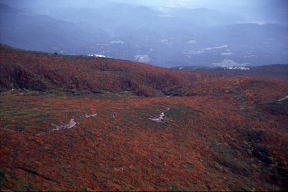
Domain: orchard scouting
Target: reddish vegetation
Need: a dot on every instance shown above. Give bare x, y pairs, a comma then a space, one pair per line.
229, 133
41, 71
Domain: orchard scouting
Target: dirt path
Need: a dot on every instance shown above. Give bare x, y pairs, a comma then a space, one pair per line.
282, 99
72, 123
90, 115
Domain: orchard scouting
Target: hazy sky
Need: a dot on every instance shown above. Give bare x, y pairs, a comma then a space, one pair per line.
258, 11
273, 10
262, 6
209, 3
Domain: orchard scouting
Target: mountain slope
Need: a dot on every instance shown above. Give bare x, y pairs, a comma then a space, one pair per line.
221, 142
40, 71
213, 132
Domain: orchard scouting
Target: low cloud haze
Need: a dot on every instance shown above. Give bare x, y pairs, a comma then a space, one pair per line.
265, 10
165, 33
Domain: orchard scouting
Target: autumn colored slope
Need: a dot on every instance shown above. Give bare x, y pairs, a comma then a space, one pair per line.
217, 134
42, 71
230, 141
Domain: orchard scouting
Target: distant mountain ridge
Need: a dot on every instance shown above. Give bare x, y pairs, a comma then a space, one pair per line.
276, 70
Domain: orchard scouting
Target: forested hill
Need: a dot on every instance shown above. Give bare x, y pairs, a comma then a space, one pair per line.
22, 69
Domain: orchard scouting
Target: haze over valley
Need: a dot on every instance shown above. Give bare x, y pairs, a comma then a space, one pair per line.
163, 33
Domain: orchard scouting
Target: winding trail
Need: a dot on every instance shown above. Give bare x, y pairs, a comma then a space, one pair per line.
72, 123
282, 99
158, 119
90, 115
